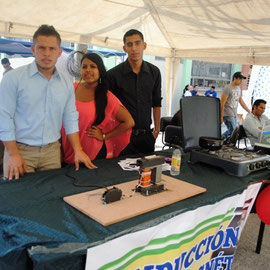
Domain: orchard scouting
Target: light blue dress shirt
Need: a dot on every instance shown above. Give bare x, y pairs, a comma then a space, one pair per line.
251, 125
33, 108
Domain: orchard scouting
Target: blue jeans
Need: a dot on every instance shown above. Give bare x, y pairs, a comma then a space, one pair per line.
231, 124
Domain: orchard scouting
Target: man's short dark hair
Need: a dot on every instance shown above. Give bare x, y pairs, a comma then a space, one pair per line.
46, 30
257, 102
213, 87
5, 61
132, 32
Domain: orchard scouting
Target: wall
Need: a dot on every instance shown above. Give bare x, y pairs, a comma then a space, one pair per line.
183, 76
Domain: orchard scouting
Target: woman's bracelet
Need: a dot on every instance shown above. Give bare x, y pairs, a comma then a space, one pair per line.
103, 136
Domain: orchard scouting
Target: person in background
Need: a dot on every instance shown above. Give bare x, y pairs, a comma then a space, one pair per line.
34, 102
230, 97
255, 120
211, 92
104, 124
6, 65
137, 84
187, 91
195, 90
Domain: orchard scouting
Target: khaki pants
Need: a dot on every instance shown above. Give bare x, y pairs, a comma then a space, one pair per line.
37, 158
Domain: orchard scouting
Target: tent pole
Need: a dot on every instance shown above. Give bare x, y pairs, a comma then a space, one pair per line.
170, 81
168, 86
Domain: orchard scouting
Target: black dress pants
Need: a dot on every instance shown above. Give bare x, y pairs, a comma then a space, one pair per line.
140, 144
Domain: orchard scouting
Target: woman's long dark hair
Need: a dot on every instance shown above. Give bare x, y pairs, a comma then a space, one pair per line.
102, 87
185, 89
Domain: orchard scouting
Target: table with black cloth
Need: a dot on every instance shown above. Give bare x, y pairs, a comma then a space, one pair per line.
40, 231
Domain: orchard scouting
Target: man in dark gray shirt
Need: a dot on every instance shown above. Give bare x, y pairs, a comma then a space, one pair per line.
231, 96
137, 84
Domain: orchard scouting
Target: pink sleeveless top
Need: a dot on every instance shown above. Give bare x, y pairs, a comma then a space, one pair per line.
91, 146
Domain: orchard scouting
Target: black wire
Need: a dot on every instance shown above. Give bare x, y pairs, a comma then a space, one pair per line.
75, 181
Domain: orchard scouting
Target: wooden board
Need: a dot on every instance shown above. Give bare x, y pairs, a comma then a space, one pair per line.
132, 204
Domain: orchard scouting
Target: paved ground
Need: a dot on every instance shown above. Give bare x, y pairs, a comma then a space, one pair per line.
246, 258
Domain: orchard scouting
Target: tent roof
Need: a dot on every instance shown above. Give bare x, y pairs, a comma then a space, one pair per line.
233, 31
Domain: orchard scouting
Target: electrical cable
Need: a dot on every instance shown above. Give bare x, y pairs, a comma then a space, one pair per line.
75, 181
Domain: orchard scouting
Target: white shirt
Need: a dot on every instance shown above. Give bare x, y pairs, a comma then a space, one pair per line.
187, 94
251, 125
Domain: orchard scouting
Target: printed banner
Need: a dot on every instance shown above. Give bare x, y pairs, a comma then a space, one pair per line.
205, 238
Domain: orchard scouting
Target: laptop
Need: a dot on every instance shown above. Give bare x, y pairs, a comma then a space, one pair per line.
264, 139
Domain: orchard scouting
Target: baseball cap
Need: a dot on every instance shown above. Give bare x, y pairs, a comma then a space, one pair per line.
239, 75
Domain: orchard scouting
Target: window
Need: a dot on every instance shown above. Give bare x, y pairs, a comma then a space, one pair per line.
207, 73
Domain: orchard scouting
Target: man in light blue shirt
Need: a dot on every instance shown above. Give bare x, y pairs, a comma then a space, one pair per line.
255, 121
34, 102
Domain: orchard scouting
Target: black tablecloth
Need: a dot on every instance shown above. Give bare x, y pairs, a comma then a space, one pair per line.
40, 231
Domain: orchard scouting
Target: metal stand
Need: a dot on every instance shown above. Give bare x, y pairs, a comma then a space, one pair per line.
154, 189
260, 238
153, 185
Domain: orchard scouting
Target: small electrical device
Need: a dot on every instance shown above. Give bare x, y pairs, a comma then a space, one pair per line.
112, 195
150, 175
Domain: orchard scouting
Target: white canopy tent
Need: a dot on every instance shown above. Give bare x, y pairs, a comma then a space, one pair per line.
228, 31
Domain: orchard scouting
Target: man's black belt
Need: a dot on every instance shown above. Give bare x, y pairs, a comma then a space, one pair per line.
140, 132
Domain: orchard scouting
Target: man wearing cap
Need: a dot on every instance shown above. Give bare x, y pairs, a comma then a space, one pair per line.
231, 95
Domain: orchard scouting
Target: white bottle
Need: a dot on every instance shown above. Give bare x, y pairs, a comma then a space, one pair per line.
176, 162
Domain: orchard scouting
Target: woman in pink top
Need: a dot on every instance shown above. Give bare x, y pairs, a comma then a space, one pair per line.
104, 124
